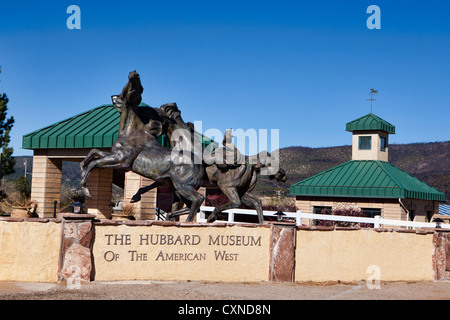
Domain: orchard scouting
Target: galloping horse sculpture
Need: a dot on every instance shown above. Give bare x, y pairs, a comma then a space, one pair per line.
137, 150
235, 179
183, 166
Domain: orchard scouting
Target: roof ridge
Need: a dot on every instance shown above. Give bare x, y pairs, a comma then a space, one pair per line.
412, 176
65, 120
322, 173
389, 173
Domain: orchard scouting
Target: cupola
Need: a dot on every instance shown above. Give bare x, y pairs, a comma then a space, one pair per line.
370, 138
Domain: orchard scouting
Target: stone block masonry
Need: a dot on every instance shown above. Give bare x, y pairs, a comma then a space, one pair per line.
441, 257
46, 183
76, 250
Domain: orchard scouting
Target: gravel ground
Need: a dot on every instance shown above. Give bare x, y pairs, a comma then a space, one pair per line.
196, 290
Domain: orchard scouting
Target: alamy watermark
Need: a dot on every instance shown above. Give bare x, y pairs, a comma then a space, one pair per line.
374, 279
234, 147
74, 20
74, 279
374, 20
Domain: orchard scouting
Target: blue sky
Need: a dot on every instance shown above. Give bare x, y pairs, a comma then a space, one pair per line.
303, 67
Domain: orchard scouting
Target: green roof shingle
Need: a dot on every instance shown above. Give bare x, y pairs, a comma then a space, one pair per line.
95, 128
370, 122
366, 178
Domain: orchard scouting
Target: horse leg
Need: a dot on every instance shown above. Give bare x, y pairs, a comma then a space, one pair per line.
234, 202
191, 195
94, 153
110, 161
255, 203
177, 205
137, 196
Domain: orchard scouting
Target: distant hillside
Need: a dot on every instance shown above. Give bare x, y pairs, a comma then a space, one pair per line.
429, 162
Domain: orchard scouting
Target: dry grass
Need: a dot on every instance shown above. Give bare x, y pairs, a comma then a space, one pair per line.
128, 210
13, 198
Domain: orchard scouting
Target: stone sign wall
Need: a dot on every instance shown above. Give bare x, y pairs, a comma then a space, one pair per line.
177, 251
77, 248
30, 249
353, 254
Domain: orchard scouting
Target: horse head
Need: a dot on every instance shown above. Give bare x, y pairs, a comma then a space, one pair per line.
131, 94
269, 165
134, 89
172, 112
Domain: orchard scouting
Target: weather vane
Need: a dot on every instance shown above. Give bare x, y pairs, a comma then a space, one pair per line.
372, 92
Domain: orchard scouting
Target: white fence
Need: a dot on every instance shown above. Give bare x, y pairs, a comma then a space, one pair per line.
201, 217
299, 215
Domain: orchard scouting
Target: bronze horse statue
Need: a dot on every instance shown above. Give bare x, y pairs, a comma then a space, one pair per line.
236, 179
137, 149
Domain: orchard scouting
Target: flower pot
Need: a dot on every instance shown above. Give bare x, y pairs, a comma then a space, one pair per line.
19, 212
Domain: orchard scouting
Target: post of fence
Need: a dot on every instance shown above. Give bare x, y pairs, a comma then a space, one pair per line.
201, 215
298, 219
377, 221
231, 215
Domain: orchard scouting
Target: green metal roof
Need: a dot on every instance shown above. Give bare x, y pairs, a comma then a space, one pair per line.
366, 179
370, 122
96, 128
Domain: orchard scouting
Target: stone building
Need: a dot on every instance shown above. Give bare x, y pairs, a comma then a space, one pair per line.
71, 140
369, 181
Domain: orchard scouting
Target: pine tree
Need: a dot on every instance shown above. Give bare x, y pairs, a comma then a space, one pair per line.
6, 124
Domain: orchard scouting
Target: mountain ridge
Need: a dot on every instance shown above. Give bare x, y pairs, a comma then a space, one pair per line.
427, 161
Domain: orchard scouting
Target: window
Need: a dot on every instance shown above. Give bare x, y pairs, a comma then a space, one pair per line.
365, 143
412, 215
429, 216
320, 209
371, 212
383, 144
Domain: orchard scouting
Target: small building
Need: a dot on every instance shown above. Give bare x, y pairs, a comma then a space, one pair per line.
369, 181
71, 140
444, 209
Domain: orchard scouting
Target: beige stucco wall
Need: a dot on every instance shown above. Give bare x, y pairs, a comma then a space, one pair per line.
29, 251
421, 207
346, 255
374, 153
195, 256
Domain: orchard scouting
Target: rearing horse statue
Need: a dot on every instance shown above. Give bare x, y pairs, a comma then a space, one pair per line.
137, 150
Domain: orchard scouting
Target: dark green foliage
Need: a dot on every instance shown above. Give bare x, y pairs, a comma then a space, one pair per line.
23, 187
6, 124
348, 212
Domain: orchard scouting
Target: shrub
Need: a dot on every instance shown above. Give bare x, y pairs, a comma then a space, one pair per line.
215, 200
283, 207
343, 211
23, 188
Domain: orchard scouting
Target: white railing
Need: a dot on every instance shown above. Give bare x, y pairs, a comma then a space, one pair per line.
201, 217
299, 215
377, 221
